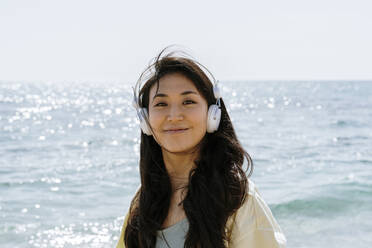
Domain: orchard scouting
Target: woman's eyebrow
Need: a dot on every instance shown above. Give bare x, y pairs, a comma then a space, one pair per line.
182, 94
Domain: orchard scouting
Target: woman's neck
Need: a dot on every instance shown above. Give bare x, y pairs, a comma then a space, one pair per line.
178, 167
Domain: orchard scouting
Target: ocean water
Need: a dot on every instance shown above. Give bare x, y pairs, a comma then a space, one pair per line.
69, 159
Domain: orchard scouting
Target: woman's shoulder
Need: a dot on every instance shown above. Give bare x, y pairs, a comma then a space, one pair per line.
254, 221
245, 214
254, 210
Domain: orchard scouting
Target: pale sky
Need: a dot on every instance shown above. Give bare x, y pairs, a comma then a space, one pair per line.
112, 40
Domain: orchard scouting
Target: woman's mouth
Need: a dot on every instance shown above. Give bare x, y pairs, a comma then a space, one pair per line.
176, 131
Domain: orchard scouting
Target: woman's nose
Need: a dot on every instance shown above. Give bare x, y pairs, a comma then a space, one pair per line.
175, 114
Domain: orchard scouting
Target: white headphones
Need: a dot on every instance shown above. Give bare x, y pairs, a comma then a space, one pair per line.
214, 111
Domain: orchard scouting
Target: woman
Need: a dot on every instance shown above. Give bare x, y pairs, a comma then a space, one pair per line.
194, 191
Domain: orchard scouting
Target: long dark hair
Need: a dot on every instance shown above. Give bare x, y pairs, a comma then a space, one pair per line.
217, 185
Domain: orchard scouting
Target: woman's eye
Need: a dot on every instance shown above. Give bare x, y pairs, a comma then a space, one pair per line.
160, 104
189, 102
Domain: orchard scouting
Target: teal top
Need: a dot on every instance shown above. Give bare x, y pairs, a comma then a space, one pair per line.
173, 236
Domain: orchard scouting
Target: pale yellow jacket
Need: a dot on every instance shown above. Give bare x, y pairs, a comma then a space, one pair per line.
253, 225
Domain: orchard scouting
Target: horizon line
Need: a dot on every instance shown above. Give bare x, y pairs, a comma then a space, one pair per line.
222, 80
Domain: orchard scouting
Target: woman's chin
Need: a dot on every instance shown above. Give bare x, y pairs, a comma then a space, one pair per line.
178, 149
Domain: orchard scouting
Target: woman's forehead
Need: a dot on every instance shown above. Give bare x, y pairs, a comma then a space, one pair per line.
172, 84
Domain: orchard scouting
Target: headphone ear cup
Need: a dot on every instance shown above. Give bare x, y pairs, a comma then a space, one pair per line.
145, 116
214, 117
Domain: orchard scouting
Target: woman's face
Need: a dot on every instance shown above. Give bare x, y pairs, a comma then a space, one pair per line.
177, 113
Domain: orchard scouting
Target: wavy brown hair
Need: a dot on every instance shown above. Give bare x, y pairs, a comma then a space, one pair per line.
217, 185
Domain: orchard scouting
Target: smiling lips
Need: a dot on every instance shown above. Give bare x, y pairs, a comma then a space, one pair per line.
176, 130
